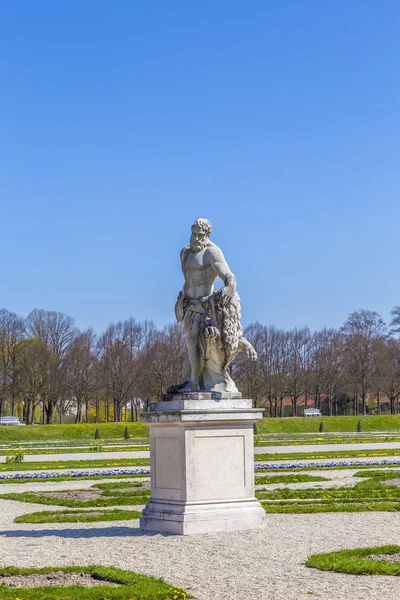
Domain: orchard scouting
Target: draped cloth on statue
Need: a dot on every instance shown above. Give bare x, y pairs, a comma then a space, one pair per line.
197, 315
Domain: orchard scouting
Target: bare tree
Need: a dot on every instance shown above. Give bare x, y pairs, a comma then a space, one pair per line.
249, 373
33, 375
330, 365
12, 331
388, 380
57, 331
395, 322
298, 338
116, 367
362, 332
80, 375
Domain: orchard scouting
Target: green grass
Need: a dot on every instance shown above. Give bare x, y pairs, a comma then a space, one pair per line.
354, 561
74, 450
373, 494
68, 516
331, 424
319, 441
117, 485
297, 508
321, 468
114, 500
86, 431
316, 455
379, 474
132, 586
76, 464
82, 431
291, 478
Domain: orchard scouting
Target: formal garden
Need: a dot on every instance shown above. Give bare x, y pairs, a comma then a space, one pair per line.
89, 504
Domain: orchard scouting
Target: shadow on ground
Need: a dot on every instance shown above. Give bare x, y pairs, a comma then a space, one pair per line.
83, 533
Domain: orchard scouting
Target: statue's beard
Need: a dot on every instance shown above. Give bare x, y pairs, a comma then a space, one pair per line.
199, 246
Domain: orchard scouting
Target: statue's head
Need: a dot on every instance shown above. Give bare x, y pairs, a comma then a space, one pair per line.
201, 231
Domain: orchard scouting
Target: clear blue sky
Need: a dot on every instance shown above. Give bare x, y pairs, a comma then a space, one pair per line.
122, 122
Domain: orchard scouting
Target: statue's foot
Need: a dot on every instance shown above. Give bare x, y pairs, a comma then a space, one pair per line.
191, 387
175, 389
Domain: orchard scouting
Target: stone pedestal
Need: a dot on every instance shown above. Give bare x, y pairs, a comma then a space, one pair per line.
202, 464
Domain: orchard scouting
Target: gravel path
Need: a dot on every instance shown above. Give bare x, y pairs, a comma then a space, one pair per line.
266, 564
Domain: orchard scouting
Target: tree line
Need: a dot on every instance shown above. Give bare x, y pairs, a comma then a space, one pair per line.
51, 371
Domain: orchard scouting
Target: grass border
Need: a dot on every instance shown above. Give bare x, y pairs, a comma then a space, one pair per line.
133, 586
76, 516
354, 562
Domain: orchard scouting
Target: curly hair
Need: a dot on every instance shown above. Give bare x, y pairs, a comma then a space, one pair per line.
204, 225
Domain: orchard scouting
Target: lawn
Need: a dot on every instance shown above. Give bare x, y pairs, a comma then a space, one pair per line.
331, 424
302, 439
76, 516
99, 495
131, 586
316, 455
81, 431
75, 464
115, 431
376, 493
357, 561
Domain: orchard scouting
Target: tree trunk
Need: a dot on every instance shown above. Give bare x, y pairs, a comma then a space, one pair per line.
355, 404
27, 407
378, 399
117, 411
49, 413
78, 416
364, 402
294, 406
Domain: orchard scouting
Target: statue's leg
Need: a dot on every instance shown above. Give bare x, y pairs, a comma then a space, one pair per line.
196, 358
186, 371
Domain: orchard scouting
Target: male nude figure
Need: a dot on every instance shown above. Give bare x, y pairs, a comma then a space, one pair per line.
201, 311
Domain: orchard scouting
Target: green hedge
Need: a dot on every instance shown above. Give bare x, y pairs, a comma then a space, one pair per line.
84, 431
330, 424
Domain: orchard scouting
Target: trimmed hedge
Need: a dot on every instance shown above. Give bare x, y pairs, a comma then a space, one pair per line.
81, 431
330, 424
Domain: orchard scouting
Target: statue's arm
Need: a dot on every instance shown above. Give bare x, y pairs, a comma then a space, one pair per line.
179, 303
221, 268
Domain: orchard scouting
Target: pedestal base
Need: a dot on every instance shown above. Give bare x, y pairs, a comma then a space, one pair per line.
196, 517
202, 465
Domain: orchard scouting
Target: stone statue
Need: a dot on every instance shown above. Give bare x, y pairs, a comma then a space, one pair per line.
210, 319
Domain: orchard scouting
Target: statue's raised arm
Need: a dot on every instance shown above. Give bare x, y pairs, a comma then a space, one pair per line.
210, 319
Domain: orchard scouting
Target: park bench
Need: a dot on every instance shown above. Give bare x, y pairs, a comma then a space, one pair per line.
10, 421
312, 412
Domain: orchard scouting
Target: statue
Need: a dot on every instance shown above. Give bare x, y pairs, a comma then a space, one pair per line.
210, 319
